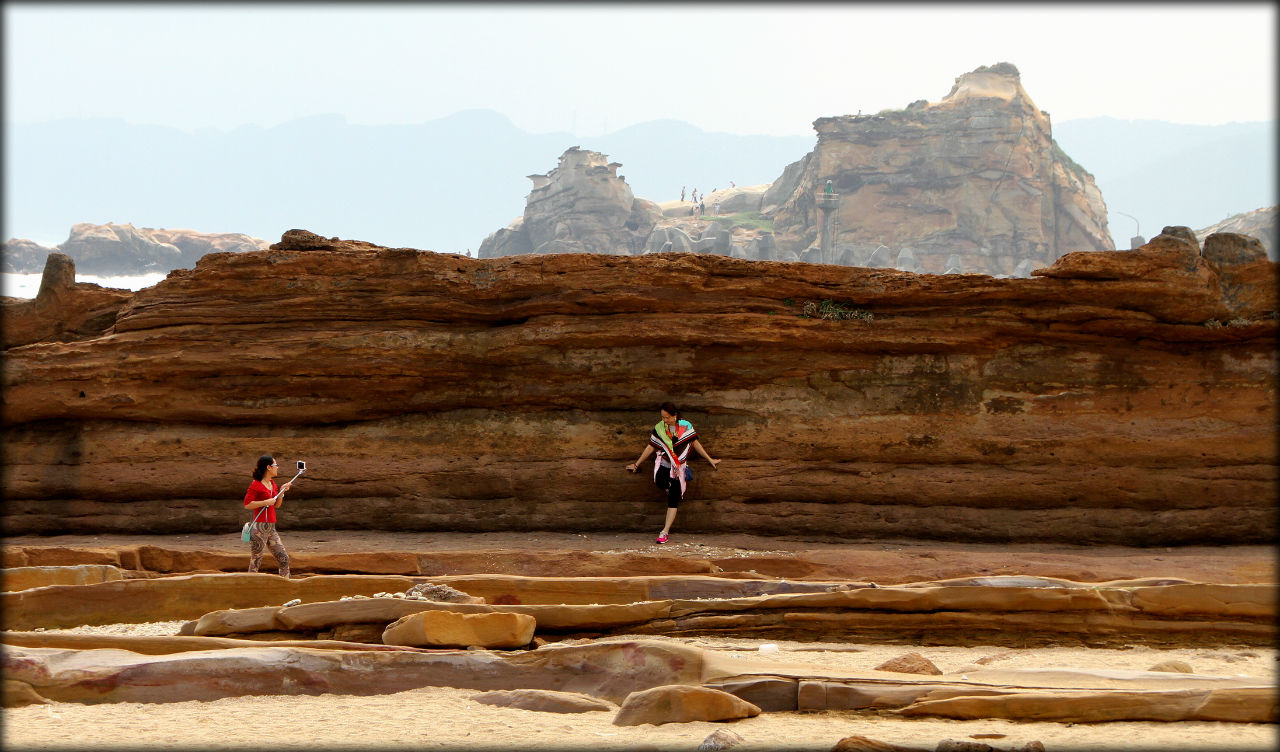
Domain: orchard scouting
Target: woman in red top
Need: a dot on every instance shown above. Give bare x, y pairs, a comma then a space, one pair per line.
264, 497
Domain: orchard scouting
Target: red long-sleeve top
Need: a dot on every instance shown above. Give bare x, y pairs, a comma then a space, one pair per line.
259, 491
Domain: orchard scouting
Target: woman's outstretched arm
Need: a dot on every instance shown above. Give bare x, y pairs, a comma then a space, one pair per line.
648, 450
697, 446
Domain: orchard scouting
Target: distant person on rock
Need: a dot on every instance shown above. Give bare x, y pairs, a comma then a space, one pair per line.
672, 439
264, 497
682, 193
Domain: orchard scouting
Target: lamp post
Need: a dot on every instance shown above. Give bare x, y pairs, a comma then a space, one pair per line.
1137, 241
827, 201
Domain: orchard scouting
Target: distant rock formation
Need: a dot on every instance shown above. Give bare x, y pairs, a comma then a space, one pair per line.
24, 256
1259, 223
976, 177
124, 249
581, 206
974, 183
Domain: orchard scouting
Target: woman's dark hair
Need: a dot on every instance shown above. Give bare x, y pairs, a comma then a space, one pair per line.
264, 462
670, 409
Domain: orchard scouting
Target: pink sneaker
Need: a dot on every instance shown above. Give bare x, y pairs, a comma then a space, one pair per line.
662, 538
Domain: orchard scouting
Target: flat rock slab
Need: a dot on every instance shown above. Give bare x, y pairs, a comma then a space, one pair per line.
21, 578
610, 671
544, 700
432, 629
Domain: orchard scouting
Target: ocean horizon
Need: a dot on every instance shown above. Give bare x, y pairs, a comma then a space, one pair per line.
27, 285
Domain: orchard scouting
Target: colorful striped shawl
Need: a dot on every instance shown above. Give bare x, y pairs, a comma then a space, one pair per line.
674, 449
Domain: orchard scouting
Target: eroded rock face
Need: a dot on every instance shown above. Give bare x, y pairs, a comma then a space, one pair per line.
581, 206
63, 310
976, 176
1121, 397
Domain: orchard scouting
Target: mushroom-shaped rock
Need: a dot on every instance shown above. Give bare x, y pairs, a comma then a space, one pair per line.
681, 704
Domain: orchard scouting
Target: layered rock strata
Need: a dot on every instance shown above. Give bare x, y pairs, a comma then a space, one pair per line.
976, 176
1122, 397
617, 671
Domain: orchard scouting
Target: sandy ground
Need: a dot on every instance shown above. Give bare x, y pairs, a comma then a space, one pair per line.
447, 718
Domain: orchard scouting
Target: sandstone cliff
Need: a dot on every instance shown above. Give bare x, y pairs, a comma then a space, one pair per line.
125, 249
974, 183
1125, 397
581, 206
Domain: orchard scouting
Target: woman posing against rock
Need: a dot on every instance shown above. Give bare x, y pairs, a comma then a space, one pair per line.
672, 439
264, 497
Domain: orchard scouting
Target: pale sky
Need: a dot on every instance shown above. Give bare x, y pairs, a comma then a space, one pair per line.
589, 69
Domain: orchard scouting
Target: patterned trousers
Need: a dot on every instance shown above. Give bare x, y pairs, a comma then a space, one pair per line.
264, 536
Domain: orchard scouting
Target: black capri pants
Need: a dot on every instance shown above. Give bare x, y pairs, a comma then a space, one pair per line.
671, 485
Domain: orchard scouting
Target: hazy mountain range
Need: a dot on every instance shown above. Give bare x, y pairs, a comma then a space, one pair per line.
446, 184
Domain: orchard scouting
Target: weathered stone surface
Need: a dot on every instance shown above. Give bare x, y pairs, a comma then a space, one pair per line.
1179, 667
432, 629
164, 645
543, 700
681, 704
910, 663
977, 175
1087, 382
720, 739
19, 694
859, 743
1259, 224
183, 597
1238, 705
610, 671
21, 578
63, 310
581, 206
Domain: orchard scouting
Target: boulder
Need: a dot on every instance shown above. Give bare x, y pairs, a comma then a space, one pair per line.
544, 700
681, 704
1259, 224
1178, 667
909, 663
445, 629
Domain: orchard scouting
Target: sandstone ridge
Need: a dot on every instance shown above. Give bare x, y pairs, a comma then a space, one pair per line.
1119, 397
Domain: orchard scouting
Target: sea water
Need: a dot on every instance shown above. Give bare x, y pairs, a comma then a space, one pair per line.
27, 285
